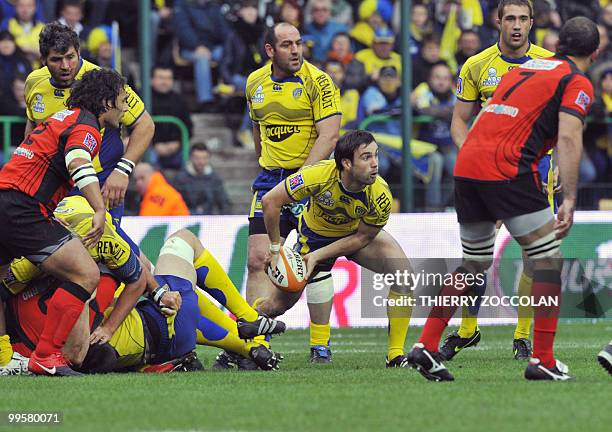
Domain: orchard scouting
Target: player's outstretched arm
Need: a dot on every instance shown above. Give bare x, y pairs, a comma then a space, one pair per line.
462, 114
569, 143
141, 134
328, 131
345, 246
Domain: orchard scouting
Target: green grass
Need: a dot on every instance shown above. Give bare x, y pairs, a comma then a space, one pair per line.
355, 393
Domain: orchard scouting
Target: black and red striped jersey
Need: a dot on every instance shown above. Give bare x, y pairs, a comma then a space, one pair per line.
520, 123
38, 166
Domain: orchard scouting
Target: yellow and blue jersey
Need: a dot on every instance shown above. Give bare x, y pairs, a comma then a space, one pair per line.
287, 111
44, 97
332, 211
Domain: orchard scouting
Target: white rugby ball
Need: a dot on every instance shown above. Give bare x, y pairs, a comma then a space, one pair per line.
290, 272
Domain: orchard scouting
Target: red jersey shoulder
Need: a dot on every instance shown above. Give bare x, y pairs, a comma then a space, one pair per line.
578, 96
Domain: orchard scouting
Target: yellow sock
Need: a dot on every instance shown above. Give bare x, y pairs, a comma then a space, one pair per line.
525, 313
469, 323
319, 334
213, 279
230, 342
212, 312
399, 319
6, 350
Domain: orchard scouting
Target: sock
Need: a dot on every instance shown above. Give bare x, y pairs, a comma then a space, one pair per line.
319, 334
212, 278
262, 340
399, 319
440, 316
469, 314
6, 350
546, 283
63, 311
210, 310
525, 313
212, 334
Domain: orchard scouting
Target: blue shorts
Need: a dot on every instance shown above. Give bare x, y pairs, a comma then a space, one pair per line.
185, 322
264, 182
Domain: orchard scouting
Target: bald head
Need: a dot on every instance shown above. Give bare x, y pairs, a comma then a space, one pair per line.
142, 177
283, 44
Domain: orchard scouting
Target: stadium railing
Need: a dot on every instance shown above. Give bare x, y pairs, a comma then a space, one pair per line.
8, 122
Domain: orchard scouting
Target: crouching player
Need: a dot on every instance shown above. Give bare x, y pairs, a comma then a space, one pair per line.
349, 204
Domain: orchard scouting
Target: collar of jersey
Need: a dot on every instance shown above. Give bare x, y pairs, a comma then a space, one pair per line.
55, 84
357, 195
293, 78
521, 60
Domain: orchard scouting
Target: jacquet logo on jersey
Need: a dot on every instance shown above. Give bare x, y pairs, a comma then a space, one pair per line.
326, 91
281, 133
39, 106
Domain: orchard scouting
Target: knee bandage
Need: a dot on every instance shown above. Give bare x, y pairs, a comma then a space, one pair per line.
320, 289
178, 247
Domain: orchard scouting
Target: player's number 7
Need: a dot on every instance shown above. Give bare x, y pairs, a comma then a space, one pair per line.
527, 75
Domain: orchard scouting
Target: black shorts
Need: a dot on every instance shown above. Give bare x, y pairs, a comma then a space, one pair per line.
27, 228
490, 201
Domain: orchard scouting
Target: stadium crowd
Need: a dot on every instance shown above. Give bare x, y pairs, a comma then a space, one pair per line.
211, 47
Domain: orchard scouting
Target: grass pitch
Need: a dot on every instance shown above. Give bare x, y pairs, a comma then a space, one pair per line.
355, 393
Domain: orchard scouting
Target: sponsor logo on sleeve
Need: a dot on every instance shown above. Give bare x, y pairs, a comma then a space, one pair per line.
90, 142
460, 85
258, 97
39, 106
327, 91
583, 100
295, 182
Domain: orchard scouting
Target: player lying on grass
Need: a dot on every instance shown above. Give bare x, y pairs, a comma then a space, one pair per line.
348, 206
113, 252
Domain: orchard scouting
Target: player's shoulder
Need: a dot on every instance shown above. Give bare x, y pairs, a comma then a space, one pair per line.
536, 51
86, 66
482, 57
380, 186
322, 171
36, 80
309, 72
380, 196
256, 77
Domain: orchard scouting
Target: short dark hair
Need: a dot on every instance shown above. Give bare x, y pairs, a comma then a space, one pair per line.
270, 36
198, 146
503, 3
578, 37
96, 89
349, 143
58, 37
162, 66
72, 3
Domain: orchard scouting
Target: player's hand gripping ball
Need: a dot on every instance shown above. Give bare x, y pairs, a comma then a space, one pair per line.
290, 272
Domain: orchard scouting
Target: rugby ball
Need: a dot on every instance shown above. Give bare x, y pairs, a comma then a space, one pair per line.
290, 272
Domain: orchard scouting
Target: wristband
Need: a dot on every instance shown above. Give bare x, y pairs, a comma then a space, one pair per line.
158, 293
125, 166
275, 248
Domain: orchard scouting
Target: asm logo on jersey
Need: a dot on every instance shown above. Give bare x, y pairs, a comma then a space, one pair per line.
295, 182
583, 100
90, 142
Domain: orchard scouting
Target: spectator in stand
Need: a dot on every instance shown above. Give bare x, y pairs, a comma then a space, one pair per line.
290, 12
467, 46
349, 98
161, 22
167, 146
341, 51
550, 41
13, 104
12, 62
25, 28
200, 185
381, 54
545, 19
599, 131
322, 28
436, 98
71, 15
201, 30
158, 198
420, 25
373, 15
430, 55
7, 9
606, 18
489, 32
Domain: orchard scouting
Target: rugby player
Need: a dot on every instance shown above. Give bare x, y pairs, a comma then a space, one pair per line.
477, 82
46, 92
605, 358
348, 207
538, 105
295, 109
54, 157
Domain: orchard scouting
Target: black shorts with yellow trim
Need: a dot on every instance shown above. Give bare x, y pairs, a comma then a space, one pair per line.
28, 228
264, 182
490, 201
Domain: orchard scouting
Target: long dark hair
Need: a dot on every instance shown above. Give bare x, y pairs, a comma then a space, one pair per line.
96, 90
